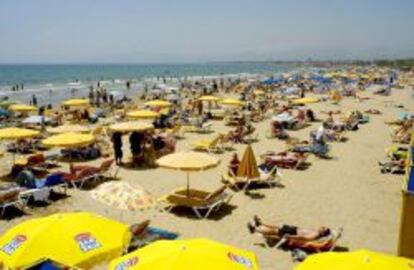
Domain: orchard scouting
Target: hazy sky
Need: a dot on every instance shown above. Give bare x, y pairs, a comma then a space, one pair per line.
33, 31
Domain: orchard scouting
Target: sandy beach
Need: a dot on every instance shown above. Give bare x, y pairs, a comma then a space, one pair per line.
347, 191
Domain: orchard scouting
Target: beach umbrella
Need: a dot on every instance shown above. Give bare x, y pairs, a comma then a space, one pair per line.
123, 196
248, 165
75, 102
75, 128
7, 103
69, 140
142, 114
131, 127
36, 120
22, 108
209, 98
188, 162
232, 102
305, 100
158, 103
80, 240
14, 133
357, 260
200, 254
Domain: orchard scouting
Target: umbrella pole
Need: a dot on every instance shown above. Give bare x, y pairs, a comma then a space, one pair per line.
188, 184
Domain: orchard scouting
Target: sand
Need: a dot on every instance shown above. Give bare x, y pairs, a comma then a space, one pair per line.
348, 191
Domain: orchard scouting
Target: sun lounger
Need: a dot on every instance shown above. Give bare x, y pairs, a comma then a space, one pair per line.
322, 244
204, 128
269, 179
197, 200
144, 234
40, 189
212, 145
9, 197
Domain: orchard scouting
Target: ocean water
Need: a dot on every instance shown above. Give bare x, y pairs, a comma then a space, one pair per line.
52, 83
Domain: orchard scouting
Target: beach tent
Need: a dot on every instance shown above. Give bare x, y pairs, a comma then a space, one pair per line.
406, 237
200, 254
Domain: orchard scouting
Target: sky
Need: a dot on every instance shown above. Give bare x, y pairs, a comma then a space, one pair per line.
161, 31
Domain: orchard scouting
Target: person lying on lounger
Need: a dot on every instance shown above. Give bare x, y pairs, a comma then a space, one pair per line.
287, 231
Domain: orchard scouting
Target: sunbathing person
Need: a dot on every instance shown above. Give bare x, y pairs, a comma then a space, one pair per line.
287, 231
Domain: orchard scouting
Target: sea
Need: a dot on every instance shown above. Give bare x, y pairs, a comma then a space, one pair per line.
52, 83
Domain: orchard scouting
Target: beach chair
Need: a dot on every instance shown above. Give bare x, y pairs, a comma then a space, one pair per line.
322, 244
204, 128
10, 197
270, 179
197, 200
210, 146
143, 235
79, 179
175, 132
40, 189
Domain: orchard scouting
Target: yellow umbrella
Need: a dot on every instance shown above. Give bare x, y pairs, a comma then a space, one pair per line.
200, 254
123, 196
248, 165
259, 92
158, 103
68, 140
305, 100
14, 133
76, 102
72, 239
209, 98
232, 102
130, 127
188, 162
357, 260
142, 114
68, 128
22, 108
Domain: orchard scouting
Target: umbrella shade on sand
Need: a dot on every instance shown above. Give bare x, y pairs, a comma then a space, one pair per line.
68, 140
14, 133
142, 114
357, 260
131, 127
75, 102
232, 102
80, 240
158, 103
188, 162
22, 108
200, 254
123, 196
68, 128
248, 165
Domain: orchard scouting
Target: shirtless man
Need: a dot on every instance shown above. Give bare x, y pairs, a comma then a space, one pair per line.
287, 231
